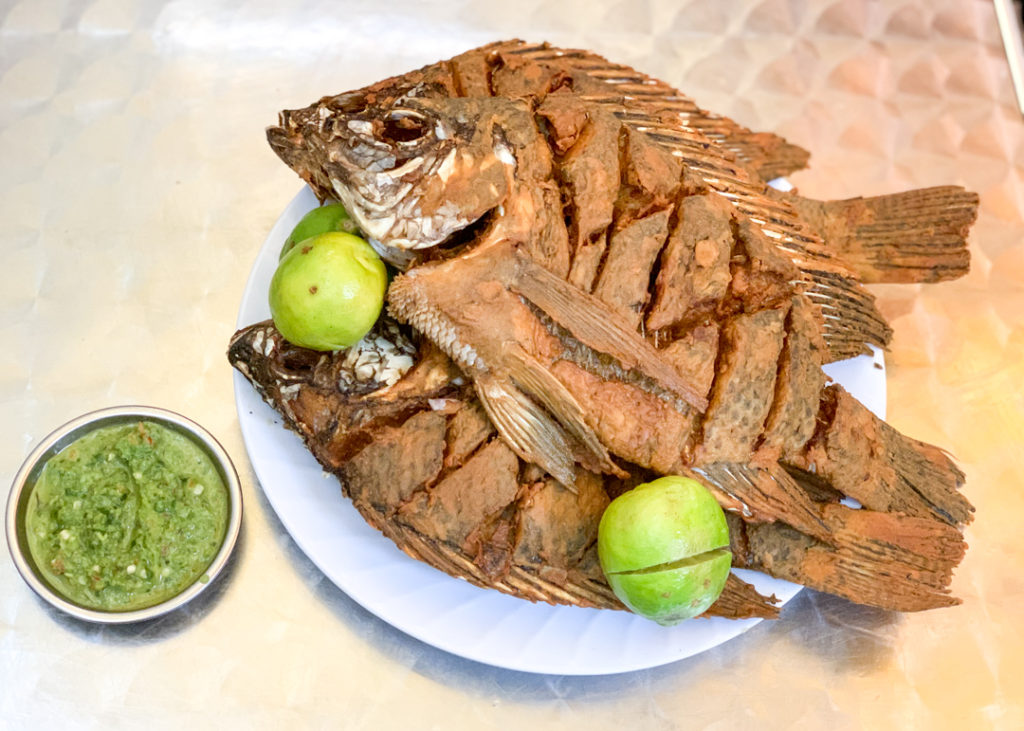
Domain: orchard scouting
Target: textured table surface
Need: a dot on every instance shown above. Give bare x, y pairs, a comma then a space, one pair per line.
136, 188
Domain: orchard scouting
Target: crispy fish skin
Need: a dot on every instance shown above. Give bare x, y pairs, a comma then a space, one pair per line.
917, 236
422, 464
752, 419
888, 560
509, 323
907, 237
721, 449
541, 311
492, 313
520, 69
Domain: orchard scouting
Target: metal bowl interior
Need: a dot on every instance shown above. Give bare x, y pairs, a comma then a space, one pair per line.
25, 480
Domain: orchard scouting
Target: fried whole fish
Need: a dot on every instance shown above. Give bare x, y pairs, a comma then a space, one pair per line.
422, 463
552, 352
588, 107
626, 295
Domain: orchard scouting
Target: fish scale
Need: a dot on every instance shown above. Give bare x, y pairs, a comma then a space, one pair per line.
743, 391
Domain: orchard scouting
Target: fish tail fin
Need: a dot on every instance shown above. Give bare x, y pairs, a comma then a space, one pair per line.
861, 456
885, 560
913, 236
779, 157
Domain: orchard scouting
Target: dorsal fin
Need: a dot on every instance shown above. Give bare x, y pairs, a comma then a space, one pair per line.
634, 94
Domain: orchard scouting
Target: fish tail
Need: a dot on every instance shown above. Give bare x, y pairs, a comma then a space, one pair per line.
913, 236
861, 456
885, 560
778, 157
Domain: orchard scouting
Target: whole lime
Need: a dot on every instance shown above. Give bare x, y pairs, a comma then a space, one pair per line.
328, 291
321, 220
664, 548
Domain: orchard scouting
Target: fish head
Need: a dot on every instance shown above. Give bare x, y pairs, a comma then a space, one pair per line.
411, 169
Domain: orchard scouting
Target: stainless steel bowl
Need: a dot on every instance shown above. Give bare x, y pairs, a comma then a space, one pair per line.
25, 480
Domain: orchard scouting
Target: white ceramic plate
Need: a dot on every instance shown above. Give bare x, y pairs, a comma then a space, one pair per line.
448, 613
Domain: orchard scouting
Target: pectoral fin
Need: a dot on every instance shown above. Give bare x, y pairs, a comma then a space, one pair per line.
599, 327
536, 380
764, 494
527, 428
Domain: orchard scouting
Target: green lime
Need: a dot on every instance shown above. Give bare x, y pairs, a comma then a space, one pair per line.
664, 548
670, 595
328, 291
332, 217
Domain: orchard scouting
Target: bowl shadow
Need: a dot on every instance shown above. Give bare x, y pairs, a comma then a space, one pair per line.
159, 628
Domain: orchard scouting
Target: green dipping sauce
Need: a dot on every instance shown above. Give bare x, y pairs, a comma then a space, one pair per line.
127, 516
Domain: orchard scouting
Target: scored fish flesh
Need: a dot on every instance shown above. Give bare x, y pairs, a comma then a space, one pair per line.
620, 296
422, 464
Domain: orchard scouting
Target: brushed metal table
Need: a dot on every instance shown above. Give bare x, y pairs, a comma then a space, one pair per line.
136, 188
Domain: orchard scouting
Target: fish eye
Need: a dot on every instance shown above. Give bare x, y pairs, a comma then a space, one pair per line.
405, 126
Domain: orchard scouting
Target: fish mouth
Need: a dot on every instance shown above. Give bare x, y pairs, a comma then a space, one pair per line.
390, 167
456, 243
391, 218
377, 362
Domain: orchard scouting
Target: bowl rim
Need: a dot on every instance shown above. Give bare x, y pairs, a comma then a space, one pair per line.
56, 441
